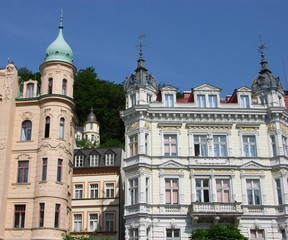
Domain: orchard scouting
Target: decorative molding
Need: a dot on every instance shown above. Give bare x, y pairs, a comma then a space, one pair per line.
284, 128
27, 115
133, 126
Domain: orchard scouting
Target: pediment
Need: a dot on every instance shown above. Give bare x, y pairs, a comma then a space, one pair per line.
168, 88
171, 164
207, 87
252, 165
244, 89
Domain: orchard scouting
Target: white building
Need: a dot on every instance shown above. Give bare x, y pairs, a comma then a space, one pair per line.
200, 160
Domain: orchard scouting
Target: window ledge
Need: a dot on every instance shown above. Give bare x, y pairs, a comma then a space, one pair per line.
40, 182
57, 182
21, 184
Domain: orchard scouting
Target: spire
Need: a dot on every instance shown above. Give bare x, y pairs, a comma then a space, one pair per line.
263, 62
61, 20
141, 59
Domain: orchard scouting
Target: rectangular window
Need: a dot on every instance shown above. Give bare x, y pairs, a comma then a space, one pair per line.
109, 188
59, 170
133, 145
244, 101
202, 190
201, 101
77, 222
133, 190
19, 216
173, 234
249, 146
200, 145
133, 234
78, 191
278, 191
220, 146
149, 98
146, 142
57, 215
147, 191
109, 222
41, 214
93, 222
94, 160
30, 90
171, 191
148, 233
23, 167
79, 160
44, 169
109, 159
253, 191
169, 100
170, 145
133, 99
94, 190
273, 145
223, 190
257, 234
285, 145
212, 101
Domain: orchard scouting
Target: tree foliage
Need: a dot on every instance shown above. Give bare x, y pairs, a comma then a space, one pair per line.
218, 232
26, 74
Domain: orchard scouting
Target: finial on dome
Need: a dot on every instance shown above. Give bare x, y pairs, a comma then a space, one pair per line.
261, 48
141, 36
61, 19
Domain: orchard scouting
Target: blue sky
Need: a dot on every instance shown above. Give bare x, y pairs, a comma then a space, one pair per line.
187, 42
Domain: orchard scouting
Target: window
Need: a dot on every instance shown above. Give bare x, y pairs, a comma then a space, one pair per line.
47, 127
220, 146
57, 215
212, 101
170, 145
249, 146
200, 145
133, 234
257, 234
244, 101
149, 98
41, 214
223, 190
133, 190
19, 216
171, 190
253, 191
77, 222
109, 190
79, 161
133, 99
94, 190
61, 128
146, 142
147, 190
148, 233
278, 191
133, 145
26, 130
169, 100
109, 159
202, 190
201, 101
173, 234
273, 145
50, 85
78, 191
92, 138
93, 222
59, 170
44, 169
23, 167
30, 90
285, 145
91, 126
64, 87
94, 160
109, 222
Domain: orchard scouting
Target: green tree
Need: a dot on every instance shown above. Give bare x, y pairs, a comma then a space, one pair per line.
218, 232
25, 74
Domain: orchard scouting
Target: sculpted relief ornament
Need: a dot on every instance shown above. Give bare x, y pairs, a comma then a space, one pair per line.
7, 85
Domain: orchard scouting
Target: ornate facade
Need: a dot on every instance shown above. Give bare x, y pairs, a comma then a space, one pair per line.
36, 147
199, 160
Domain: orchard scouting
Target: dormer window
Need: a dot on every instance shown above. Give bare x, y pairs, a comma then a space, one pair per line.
30, 90
244, 101
212, 101
169, 100
79, 160
201, 101
109, 159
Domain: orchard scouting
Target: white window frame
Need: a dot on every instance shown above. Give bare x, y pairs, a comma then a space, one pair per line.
169, 100
285, 145
201, 189
109, 222
171, 190
147, 189
109, 190
201, 100
273, 146
93, 222
244, 101
253, 189
79, 161
78, 192
133, 233
200, 143
278, 190
133, 144
170, 144
257, 234
213, 100
109, 159
220, 144
77, 223
134, 190
173, 232
94, 160
93, 190
222, 189
249, 144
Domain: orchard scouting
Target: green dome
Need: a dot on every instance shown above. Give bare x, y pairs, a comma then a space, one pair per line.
59, 50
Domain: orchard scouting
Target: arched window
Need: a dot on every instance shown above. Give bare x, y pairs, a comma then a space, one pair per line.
30, 90
47, 127
61, 128
26, 130
64, 86
50, 85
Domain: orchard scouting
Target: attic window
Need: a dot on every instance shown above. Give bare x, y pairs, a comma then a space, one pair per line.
109, 159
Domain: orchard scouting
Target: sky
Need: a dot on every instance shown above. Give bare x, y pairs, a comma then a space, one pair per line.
187, 42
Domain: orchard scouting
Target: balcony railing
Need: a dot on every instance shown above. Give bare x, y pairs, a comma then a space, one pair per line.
213, 207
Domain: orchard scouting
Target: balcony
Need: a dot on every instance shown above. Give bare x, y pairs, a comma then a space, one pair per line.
215, 212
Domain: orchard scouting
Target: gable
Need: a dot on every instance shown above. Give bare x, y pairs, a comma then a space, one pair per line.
252, 165
207, 87
244, 89
168, 88
171, 164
